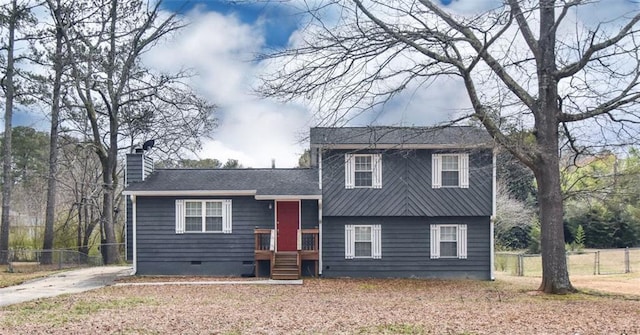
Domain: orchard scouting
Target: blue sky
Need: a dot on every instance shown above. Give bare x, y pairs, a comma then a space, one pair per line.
280, 20
221, 43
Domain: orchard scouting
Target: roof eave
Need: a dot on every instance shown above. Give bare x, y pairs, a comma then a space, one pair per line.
168, 193
386, 146
288, 197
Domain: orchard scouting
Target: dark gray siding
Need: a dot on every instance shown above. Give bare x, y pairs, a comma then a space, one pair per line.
406, 187
406, 249
161, 251
129, 230
133, 174
309, 214
134, 168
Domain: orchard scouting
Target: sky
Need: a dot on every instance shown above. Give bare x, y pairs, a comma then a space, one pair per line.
221, 44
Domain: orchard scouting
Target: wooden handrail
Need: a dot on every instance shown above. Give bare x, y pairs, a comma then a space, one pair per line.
260, 234
259, 239
309, 242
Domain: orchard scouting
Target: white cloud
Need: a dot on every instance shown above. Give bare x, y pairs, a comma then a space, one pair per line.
221, 50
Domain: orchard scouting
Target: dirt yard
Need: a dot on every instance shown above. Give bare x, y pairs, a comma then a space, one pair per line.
328, 306
620, 284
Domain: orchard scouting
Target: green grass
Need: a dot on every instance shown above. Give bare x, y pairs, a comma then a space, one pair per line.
17, 278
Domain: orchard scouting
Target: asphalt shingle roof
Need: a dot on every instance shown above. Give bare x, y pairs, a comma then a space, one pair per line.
451, 136
264, 181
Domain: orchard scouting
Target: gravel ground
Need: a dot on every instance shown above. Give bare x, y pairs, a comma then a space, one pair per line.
327, 306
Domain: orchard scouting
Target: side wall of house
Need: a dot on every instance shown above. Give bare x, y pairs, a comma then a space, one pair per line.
406, 187
406, 249
161, 251
133, 174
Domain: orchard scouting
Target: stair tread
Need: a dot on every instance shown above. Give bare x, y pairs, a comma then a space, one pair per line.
285, 265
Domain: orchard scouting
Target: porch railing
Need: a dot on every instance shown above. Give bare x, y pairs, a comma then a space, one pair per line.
308, 245
265, 240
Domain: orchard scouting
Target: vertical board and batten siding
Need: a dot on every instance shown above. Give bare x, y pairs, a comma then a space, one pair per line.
406, 246
406, 187
162, 251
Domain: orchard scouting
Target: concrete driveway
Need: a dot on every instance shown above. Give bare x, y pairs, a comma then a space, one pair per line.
74, 281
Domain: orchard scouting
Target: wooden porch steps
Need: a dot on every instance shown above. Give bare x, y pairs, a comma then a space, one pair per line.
285, 266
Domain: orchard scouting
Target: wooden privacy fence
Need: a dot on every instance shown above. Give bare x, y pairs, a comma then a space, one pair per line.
588, 262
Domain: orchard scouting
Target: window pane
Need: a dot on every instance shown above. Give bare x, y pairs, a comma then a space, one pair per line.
193, 224
363, 163
214, 224
363, 249
363, 179
193, 208
449, 163
363, 234
448, 234
214, 208
450, 178
448, 249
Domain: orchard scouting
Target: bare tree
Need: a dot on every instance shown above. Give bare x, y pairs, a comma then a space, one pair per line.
512, 216
81, 183
120, 97
537, 78
13, 17
58, 59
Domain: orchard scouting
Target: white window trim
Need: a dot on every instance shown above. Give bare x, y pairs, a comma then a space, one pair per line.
227, 221
350, 170
461, 231
463, 170
350, 242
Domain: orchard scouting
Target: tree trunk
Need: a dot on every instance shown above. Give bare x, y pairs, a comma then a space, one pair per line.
110, 254
7, 180
555, 277
80, 225
53, 146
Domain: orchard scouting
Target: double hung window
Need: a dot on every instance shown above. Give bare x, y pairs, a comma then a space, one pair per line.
363, 241
450, 170
203, 216
363, 171
449, 241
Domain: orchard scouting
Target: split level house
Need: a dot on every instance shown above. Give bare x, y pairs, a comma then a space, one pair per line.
376, 202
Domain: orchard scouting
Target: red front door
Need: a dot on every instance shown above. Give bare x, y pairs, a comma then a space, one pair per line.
287, 222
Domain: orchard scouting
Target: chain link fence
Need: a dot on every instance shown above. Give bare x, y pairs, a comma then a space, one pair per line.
30, 260
588, 262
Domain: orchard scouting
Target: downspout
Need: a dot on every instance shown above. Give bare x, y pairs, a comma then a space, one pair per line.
493, 218
320, 237
135, 237
320, 169
320, 213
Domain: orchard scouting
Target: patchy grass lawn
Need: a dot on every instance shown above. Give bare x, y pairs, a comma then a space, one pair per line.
327, 306
16, 278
